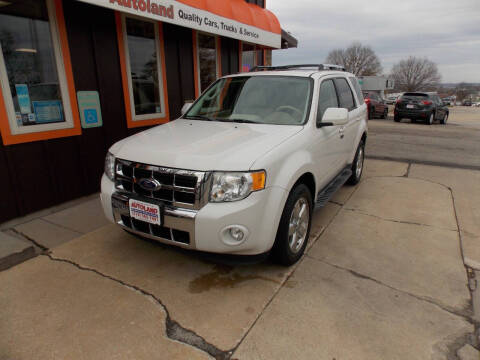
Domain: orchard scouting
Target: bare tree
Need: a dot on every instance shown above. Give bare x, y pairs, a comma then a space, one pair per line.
358, 59
415, 74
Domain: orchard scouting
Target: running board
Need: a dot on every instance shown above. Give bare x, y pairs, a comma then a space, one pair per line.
328, 191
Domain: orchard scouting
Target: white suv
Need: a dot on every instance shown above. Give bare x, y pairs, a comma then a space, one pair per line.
243, 169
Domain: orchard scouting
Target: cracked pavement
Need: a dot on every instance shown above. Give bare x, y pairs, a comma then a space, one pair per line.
383, 278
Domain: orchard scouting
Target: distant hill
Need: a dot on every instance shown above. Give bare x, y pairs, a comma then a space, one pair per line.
454, 85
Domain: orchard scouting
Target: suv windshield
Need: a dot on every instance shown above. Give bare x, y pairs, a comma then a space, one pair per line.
280, 100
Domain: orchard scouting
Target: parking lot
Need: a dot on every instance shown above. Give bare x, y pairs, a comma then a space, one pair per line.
384, 276
455, 145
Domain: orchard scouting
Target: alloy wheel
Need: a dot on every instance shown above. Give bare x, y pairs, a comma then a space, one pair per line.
298, 225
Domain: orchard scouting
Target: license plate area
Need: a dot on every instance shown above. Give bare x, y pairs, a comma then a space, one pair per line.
149, 212
409, 106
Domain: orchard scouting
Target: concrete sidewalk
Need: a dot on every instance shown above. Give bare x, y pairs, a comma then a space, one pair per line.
383, 278
24, 238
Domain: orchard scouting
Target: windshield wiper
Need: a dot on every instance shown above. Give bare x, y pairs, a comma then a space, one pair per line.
199, 117
244, 121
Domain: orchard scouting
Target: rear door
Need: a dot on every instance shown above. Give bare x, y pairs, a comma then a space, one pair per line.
440, 113
356, 111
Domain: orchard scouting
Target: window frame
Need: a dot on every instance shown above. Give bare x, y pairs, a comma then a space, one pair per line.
218, 60
134, 120
10, 131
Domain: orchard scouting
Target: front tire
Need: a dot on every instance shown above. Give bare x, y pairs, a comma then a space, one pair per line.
445, 119
294, 228
430, 119
357, 166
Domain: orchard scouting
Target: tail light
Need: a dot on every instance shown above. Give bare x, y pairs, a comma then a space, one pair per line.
426, 102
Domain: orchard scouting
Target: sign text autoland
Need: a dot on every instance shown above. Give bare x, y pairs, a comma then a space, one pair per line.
183, 15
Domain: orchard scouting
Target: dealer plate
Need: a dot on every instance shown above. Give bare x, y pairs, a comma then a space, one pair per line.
146, 212
410, 106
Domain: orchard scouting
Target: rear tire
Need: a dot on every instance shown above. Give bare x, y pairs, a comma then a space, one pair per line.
385, 114
294, 228
396, 118
371, 113
357, 166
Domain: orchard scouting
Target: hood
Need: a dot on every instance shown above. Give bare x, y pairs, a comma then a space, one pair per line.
203, 145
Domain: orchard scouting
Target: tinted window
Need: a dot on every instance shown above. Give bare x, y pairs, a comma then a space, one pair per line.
327, 98
415, 95
358, 89
344, 94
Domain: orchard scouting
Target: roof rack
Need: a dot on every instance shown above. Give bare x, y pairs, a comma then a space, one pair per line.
300, 66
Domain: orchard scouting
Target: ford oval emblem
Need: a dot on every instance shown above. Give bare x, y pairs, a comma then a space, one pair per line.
149, 184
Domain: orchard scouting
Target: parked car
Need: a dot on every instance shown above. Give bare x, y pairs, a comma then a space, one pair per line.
391, 99
241, 171
419, 106
448, 101
467, 103
377, 107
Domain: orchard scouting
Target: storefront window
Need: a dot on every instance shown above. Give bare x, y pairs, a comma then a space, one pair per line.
31, 68
207, 60
249, 56
143, 68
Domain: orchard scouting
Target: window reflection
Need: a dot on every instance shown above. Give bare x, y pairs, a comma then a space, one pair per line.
248, 57
144, 74
207, 58
29, 57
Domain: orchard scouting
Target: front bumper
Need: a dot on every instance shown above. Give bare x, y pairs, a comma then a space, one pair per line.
205, 229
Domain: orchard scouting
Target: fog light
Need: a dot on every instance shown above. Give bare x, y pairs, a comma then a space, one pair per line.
237, 233
234, 235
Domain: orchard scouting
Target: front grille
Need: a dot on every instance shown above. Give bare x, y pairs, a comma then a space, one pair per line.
156, 230
177, 188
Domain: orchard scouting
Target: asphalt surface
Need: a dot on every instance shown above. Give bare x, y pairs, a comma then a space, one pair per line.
456, 144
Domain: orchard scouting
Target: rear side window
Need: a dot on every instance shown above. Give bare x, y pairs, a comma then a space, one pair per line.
344, 94
415, 96
327, 98
358, 89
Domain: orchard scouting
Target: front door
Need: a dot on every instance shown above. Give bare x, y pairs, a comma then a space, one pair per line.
328, 140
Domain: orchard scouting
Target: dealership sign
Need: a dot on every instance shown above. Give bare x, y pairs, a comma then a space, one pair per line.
183, 15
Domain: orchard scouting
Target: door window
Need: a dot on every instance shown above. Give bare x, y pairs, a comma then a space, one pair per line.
345, 95
32, 76
327, 98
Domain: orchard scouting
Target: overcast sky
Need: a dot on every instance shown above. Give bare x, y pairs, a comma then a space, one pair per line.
445, 31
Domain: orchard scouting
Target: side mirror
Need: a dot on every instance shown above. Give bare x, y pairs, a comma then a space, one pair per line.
334, 117
186, 106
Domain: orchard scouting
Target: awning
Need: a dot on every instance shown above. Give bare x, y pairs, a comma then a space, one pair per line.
231, 18
288, 41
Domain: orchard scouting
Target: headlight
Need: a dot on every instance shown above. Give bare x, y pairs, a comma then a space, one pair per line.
234, 186
110, 166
